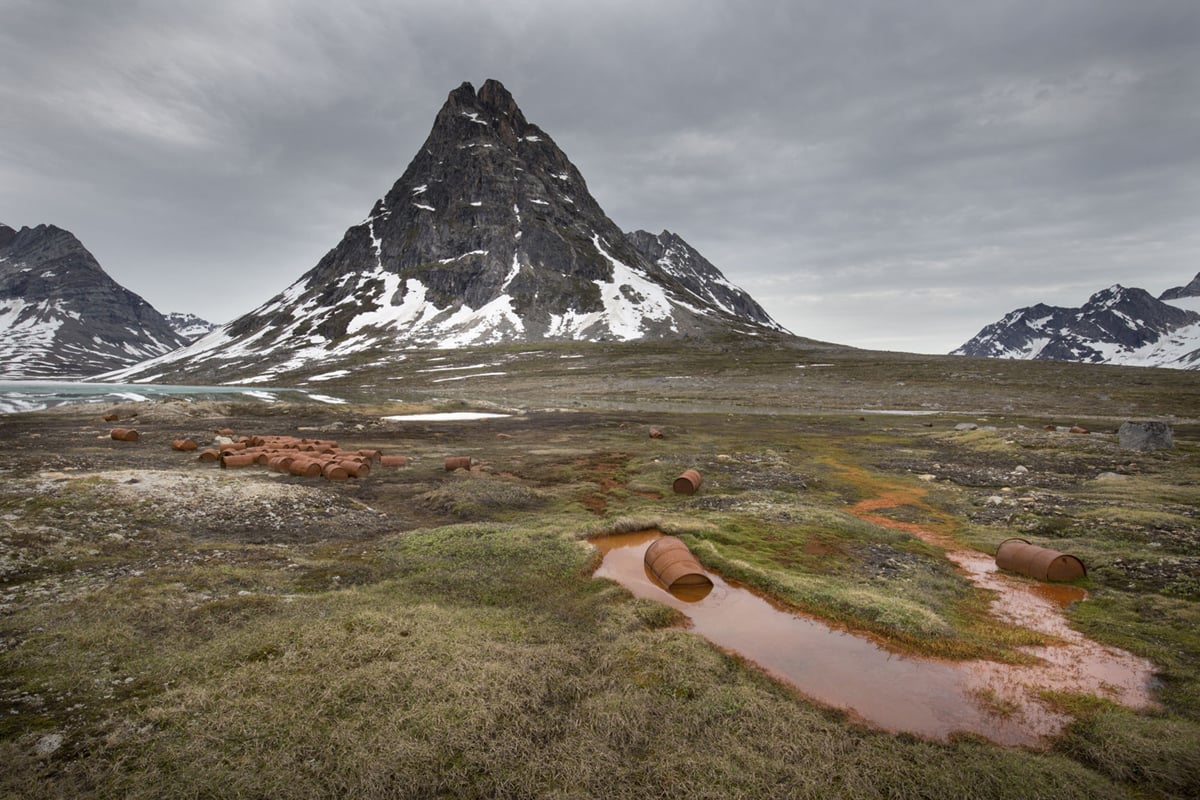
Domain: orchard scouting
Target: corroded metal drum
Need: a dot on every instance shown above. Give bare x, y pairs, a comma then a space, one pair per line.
458, 462
688, 483
670, 560
1018, 555
124, 434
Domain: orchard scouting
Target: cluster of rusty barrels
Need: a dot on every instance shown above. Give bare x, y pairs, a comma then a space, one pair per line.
309, 458
1019, 555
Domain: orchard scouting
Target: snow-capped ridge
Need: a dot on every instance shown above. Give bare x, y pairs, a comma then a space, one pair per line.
1117, 325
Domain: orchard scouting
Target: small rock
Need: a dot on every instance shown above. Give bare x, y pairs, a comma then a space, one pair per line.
1020, 469
48, 744
995, 500
966, 426
1111, 476
927, 477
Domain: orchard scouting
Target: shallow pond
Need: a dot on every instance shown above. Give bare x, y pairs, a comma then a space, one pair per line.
888, 690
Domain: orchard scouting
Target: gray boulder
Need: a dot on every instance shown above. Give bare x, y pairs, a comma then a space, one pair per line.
1146, 436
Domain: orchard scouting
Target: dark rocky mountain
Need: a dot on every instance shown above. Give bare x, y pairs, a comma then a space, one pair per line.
698, 276
1182, 292
490, 235
1115, 326
189, 326
62, 316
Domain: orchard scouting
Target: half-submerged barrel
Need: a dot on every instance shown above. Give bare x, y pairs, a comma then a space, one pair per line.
669, 560
1018, 555
123, 434
458, 462
688, 483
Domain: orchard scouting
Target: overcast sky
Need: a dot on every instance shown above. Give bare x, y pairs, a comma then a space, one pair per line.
885, 174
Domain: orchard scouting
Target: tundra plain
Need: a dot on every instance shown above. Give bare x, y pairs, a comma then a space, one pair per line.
171, 629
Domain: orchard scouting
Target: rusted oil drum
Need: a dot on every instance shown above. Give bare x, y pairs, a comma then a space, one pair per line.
280, 463
209, 454
305, 468
655, 433
335, 472
688, 482
223, 431
356, 469
124, 434
669, 560
458, 462
111, 417
1018, 555
393, 461
373, 455
237, 460
183, 445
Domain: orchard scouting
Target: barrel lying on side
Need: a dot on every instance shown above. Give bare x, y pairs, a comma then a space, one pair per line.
1018, 555
669, 560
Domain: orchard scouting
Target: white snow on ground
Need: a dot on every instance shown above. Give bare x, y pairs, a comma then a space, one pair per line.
421, 189
474, 117
532, 138
424, 207
264, 396
465, 377
324, 398
512, 273
445, 416
464, 255
328, 376
625, 319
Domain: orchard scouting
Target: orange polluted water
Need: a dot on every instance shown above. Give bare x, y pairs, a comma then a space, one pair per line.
895, 692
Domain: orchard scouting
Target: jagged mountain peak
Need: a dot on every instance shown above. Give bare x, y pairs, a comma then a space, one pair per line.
61, 315
1192, 289
490, 235
1117, 325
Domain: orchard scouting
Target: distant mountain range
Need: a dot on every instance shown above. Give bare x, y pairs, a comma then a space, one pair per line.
189, 326
489, 236
62, 316
1115, 326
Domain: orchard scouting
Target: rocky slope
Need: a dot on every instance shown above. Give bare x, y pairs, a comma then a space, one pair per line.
62, 316
489, 236
1118, 325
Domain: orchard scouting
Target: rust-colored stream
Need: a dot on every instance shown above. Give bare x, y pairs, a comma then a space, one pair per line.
897, 692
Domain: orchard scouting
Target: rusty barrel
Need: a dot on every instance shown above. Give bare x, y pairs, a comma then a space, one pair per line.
237, 460
335, 472
393, 461
1018, 555
183, 445
124, 434
669, 560
655, 433
688, 482
372, 455
209, 454
356, 469
305, 468
458, 462
111, 417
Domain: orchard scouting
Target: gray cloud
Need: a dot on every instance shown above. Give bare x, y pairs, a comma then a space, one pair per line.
889, 175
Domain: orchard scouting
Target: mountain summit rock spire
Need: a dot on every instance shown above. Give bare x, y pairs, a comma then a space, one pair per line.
490, 235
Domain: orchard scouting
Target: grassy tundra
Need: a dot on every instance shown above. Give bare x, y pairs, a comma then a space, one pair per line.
169, 629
